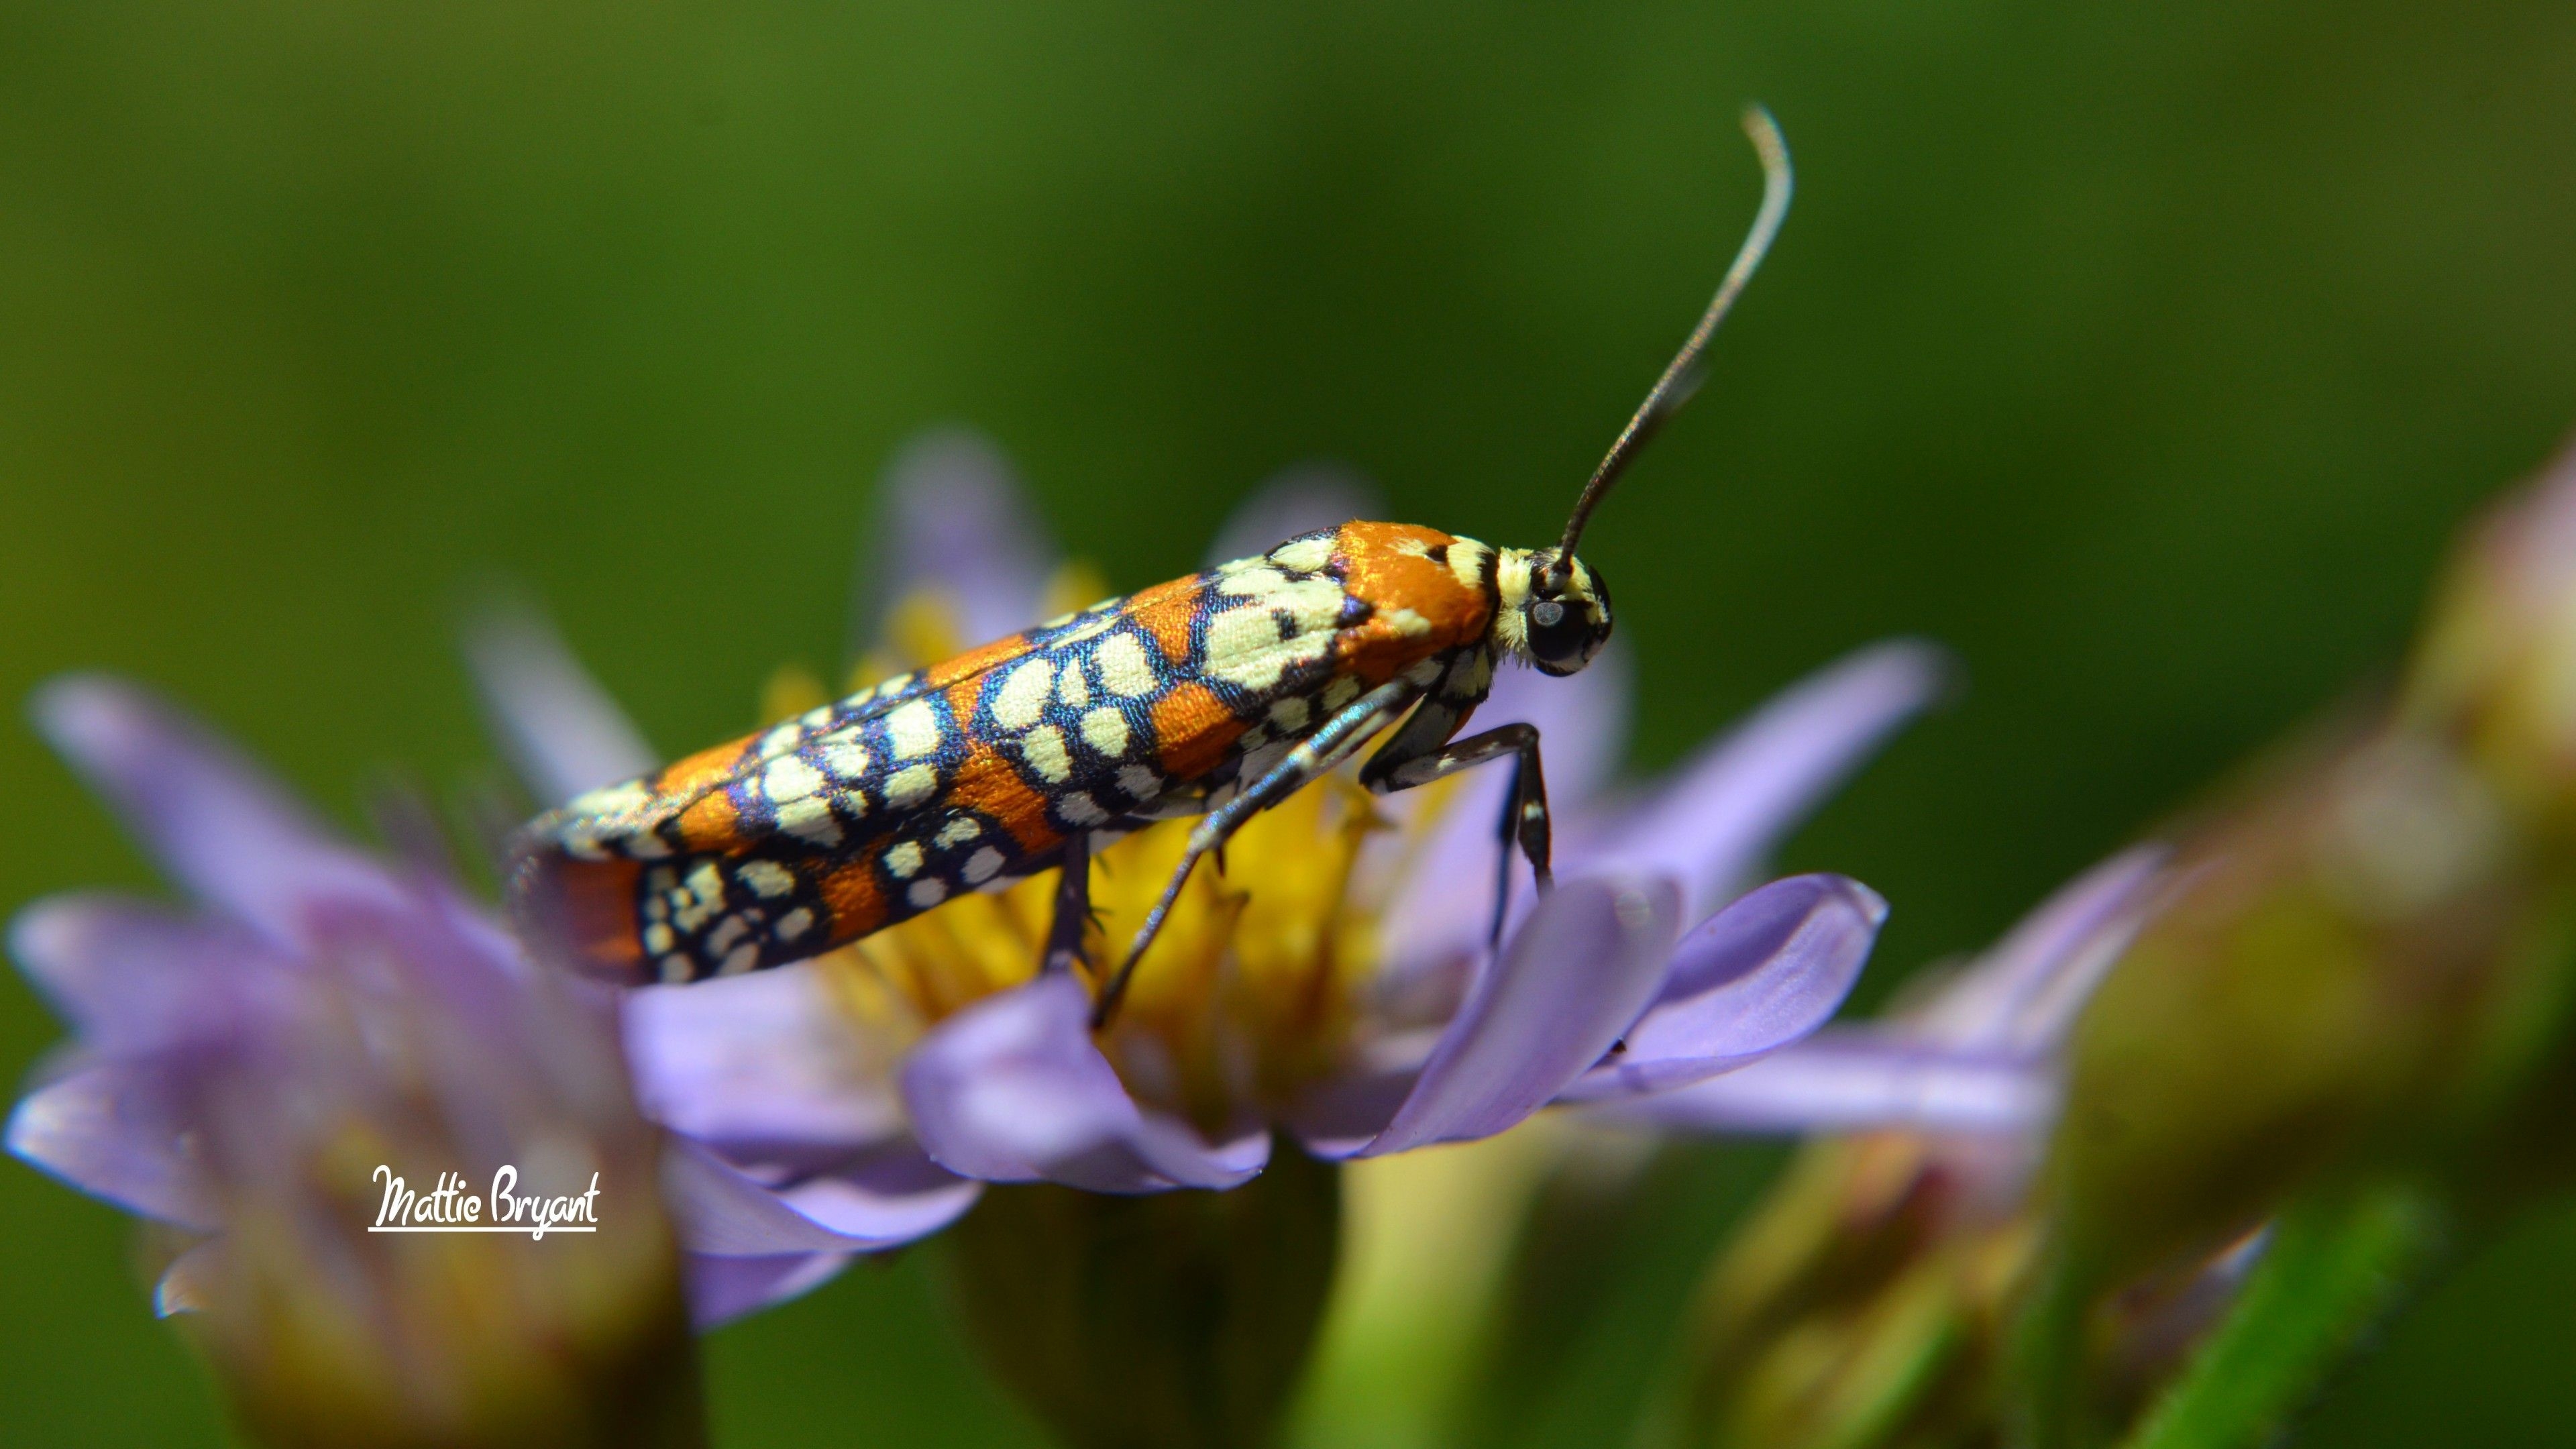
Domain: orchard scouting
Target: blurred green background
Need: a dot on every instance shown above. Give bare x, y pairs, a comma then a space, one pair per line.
2145, 353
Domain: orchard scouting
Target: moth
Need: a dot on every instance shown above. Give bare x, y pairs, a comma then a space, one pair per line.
1215, 695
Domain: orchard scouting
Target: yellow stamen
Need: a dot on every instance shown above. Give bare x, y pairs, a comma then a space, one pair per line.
791, 690
1077, 584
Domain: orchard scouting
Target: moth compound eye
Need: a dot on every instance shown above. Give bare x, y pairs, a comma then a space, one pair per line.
1560, 639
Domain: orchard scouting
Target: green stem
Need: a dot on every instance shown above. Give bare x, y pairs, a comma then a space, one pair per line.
2333, 1268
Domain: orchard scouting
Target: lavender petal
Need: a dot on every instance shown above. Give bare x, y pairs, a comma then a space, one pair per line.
129, 975
757, 1066
1712, 825
1858, 1080
186, 1285
724, 1212
1013, 1089
116, 1130
1341, 1117
893, 1193
952, 520
724, 1289
561, 730
2026, 991
1576, 977
216, 822
1746, 982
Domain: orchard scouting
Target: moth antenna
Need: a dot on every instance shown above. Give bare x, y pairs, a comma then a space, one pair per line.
1682, 376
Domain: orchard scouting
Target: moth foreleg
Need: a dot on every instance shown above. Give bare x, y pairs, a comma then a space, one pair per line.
1524, 807
1072, 907
1314, 757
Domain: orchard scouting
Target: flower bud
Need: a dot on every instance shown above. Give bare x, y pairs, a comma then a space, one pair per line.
2496, 668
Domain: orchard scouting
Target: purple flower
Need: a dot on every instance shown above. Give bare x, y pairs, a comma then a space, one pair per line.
314, 999
1334, 981
1981, 1055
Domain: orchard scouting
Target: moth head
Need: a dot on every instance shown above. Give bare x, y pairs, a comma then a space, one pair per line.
1555, 610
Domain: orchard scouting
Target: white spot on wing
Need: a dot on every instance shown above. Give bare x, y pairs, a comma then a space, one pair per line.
1106, 730
957, 832
1305, 555
1244, 647
983, 865
1313, 605
727, 931
704, 890
914, 729
1123, 668
910, 786
903, 859
810, 819
1023, 694
789, 778
765, 877
927, 892
1099, 625
1043, 748
611, 800
1254, 582
1080, 809
845, 759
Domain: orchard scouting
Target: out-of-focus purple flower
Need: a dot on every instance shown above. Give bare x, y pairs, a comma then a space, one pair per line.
1900, 1236
1335, 981
315, 1001
244, 1068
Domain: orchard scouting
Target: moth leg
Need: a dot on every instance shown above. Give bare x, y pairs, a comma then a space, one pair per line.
1503, 865
1072, 907
1524, 808
1314, 757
